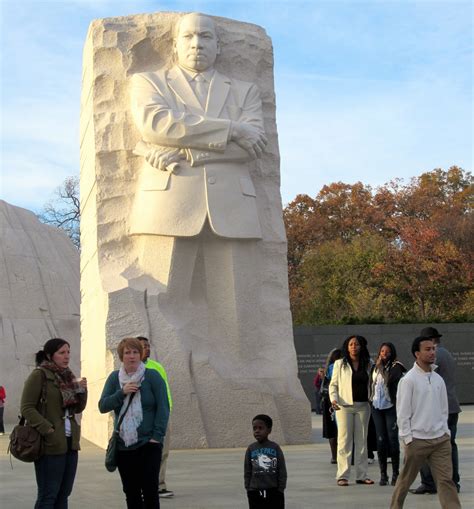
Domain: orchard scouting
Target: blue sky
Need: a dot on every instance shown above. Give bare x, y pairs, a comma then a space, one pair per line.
366, 90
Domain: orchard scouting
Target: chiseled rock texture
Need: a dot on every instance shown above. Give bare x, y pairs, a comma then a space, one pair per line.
220, 378
39, 297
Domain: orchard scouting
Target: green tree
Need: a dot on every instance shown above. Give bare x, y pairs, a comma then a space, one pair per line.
336, 282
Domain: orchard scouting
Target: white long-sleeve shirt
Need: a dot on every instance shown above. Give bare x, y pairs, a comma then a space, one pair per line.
422, 405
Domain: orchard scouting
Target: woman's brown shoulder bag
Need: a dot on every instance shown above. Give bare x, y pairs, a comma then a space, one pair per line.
26, 443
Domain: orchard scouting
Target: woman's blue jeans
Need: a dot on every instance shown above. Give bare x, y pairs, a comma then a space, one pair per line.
387, 434
55, 478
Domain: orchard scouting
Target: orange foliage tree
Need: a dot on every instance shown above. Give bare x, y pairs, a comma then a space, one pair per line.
403, 252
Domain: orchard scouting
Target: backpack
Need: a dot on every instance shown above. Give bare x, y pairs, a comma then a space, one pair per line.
26, 443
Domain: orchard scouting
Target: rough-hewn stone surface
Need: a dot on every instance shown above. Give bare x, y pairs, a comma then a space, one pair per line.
39, 296
220, 376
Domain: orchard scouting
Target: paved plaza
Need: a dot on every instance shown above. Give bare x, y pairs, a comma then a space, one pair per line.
213, 479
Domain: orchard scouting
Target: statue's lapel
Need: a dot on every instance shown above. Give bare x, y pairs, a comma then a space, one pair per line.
218, 91
180, 86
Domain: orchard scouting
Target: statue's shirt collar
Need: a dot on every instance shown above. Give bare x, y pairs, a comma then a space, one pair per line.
191, 75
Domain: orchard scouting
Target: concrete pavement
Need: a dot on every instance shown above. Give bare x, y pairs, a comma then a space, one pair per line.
213, 479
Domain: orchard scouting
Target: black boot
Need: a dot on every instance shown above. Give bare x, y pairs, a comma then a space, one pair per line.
395, 468
383, 468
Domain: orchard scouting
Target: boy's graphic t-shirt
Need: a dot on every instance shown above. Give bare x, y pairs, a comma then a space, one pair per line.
264, 466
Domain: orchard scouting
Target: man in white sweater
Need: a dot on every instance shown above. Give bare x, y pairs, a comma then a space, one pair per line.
422, 417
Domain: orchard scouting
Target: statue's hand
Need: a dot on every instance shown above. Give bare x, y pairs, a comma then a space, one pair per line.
250, 138
164, 158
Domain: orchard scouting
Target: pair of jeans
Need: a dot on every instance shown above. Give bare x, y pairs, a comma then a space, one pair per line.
55, 475
425, 472
139, 470
266, 499
317, 397
387, 434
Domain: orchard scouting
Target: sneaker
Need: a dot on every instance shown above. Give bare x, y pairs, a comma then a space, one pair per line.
165, 494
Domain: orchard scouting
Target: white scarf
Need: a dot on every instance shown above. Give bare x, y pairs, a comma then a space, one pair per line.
134, 416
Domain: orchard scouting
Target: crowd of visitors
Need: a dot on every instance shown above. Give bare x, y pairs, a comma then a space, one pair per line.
423, 416
418, 408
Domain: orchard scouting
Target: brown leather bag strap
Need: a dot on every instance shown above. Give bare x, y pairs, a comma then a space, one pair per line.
43, 400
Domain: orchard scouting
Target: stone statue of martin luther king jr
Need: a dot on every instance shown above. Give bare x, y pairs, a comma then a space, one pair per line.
199, 128
204, 274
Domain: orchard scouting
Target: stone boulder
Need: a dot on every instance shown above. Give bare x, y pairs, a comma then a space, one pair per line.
39, 296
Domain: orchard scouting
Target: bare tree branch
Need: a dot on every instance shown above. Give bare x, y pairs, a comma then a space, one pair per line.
63, 210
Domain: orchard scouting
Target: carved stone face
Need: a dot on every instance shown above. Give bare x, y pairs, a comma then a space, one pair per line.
196, 44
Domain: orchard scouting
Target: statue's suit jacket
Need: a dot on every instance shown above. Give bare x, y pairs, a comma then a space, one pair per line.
214, 182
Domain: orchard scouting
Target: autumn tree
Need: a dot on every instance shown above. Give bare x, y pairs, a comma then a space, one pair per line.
63, 210
424, 233
430, 275
339, 211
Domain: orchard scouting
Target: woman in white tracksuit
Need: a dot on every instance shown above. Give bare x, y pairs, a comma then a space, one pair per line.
349, 394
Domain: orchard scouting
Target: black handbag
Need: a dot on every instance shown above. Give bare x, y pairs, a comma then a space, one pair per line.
112, 448
324, 390
26, 443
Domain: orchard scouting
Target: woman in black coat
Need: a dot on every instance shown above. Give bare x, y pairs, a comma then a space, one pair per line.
329, 417
384, 378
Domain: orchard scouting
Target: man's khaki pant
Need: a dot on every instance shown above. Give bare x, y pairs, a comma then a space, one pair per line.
437, 452
164, 458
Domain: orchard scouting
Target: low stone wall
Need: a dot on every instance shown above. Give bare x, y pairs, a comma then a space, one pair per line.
314, 343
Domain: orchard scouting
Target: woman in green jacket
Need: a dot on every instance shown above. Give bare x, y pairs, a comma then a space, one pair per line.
140, 395
65, 397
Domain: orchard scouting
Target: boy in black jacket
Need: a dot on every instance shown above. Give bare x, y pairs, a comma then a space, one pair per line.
264, 468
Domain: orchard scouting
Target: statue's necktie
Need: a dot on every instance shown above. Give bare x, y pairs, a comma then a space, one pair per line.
201, 89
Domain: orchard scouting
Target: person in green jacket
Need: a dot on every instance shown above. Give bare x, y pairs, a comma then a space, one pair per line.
66, 396
143, 428
152, 364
